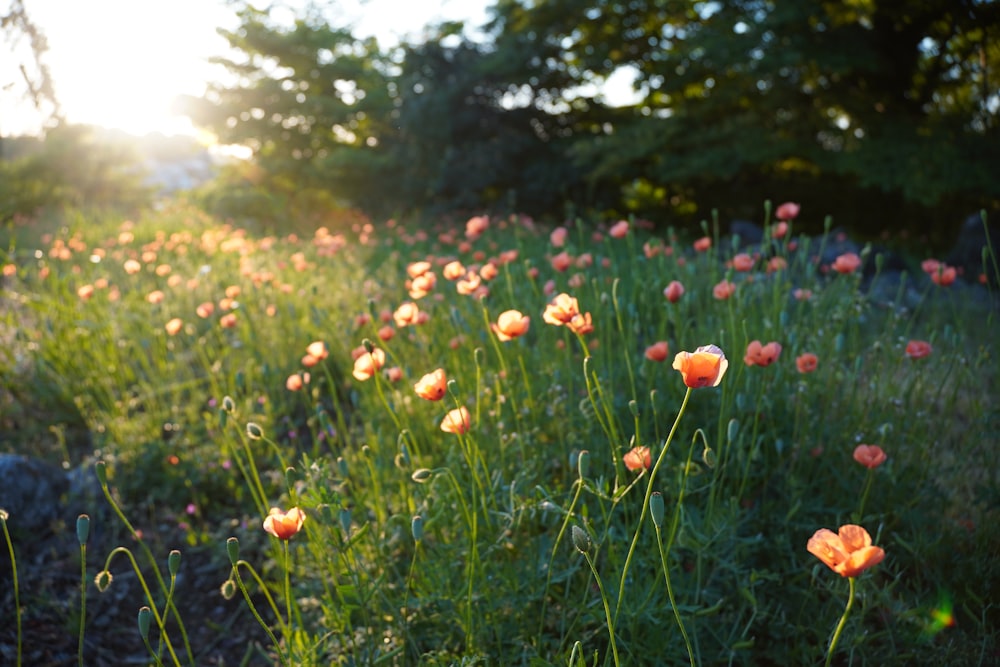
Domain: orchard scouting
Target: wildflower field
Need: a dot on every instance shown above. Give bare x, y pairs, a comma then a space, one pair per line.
493, 442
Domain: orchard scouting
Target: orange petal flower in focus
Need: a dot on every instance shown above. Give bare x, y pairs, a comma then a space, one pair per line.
561, 310
457, 421
284, 524
368, 364
637, 458
918, 349
408, 313
658, 351
432, 386
806, 362
847, 552
702, 368
510, 324
870, 456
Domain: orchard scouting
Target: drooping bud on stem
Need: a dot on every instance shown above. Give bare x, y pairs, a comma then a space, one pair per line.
145, 616
581, 540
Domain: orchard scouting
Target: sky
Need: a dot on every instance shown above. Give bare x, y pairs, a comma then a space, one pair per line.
121, 63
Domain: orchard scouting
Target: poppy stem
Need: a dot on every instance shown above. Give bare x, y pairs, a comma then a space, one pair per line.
13, 567
843, 621
864, 495
645, 501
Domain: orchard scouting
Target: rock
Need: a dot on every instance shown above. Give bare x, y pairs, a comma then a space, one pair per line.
31, 491
749, 233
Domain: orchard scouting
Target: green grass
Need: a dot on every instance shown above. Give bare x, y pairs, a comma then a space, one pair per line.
755, 466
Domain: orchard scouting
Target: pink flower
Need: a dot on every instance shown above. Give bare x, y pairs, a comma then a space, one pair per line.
674, 291
619, 230
870, 456
762, 355
846, 263
723, 290
787, 211
703, 244
658, 351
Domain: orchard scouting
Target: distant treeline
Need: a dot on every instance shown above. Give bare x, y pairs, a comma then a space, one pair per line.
882, 113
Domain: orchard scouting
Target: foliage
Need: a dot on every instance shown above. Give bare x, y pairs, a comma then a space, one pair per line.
74, 166
510, 542
889, 103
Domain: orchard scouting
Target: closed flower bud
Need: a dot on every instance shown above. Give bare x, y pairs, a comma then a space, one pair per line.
82, 528
233, 549
145, 616
228, 404
656, 508
581, 540
101, 470
228, 589
422, 475
254, 431
174, 562
417, 528
103, 580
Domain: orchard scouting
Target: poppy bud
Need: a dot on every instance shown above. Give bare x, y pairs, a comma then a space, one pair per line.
656, 508
228, 404
254, 431
174, 562
233, 549
82, 529
581, 540
145, 615
422, 475
228, 589
100, 469
103, 580
417, 528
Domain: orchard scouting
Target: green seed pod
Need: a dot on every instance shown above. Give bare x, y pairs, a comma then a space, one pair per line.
233, 549
174, 562
145, 616
581, 540
417, 528
656, 508
82, 529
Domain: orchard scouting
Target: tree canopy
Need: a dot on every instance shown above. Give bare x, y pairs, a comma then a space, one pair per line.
893, 102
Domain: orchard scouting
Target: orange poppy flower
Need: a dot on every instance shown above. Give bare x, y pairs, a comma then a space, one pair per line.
581, 324
779, 230
702, 368
674, 291
510, 324
228, 321
367, 364
806, 362
637, 458
174, 326
318, 350
561, 310
417, 269
870, 456
457, 421
847, 552
469, 284
408, 313
284, 524
453, 270
723, 290
561, 262
132, 267
476, 226
742, 262
762, 355
432, 386
846, 263
918, 349
944, 275
619, 230
658, 351
296, 381
703, 244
